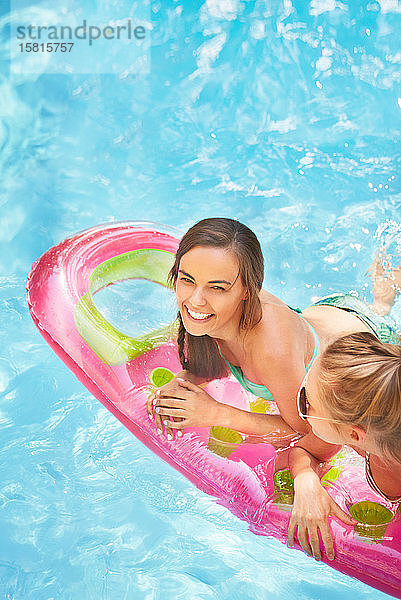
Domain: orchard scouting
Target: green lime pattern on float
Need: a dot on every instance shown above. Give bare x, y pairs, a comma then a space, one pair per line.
283, 480
331, 476
283, 487
373, 519
224, 441
261, 406
160, 376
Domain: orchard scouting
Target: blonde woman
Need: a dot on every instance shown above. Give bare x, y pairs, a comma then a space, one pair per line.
352, 396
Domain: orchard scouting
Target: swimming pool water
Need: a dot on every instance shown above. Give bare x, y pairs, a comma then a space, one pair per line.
284, 115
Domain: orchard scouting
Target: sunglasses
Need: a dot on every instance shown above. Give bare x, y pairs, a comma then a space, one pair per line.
303, 406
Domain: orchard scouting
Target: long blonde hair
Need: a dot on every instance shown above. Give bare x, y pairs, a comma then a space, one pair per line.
200, 354
361, 384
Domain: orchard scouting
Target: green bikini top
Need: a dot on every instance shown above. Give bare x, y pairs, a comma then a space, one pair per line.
261, 390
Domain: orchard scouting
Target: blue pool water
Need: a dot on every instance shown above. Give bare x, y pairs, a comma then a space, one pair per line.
285, 115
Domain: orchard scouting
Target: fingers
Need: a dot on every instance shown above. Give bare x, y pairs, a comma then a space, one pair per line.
171, 425
308, 537
188, 385
291, 532
179, 393
169, 411
178, 401
167, 403
338, 512
303, 540
167, 418
149, 406
314, 542
327, 540
178, 388
158, 420
178, 426
150, 409
167, 429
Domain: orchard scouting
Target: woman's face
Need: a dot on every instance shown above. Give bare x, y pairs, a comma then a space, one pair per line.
209, 291
333, 433
339, 432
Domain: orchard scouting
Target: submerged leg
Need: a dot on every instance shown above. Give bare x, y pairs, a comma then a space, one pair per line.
386, 281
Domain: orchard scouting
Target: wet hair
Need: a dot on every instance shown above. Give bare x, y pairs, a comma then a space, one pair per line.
200, 354
361, 384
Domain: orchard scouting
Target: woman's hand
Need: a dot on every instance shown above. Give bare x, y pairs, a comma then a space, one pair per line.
312, 507
188, 404
167, 388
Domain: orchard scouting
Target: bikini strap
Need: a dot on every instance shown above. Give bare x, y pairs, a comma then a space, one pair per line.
316, 350
373, 484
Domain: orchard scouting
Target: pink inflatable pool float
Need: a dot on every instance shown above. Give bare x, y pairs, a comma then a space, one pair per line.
119, 370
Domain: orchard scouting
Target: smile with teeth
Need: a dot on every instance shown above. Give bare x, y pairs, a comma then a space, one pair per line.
198, 316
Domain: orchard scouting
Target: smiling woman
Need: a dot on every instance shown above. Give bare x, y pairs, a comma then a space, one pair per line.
227, 323
218, 270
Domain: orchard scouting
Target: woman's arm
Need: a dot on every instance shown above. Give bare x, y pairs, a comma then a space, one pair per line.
312, 503
253, 423
191, 406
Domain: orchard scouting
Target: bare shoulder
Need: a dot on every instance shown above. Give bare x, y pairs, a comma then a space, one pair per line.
280, 320
331, 322
273, 336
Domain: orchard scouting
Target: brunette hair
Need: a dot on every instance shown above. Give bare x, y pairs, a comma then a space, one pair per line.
200, 354
361, 378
